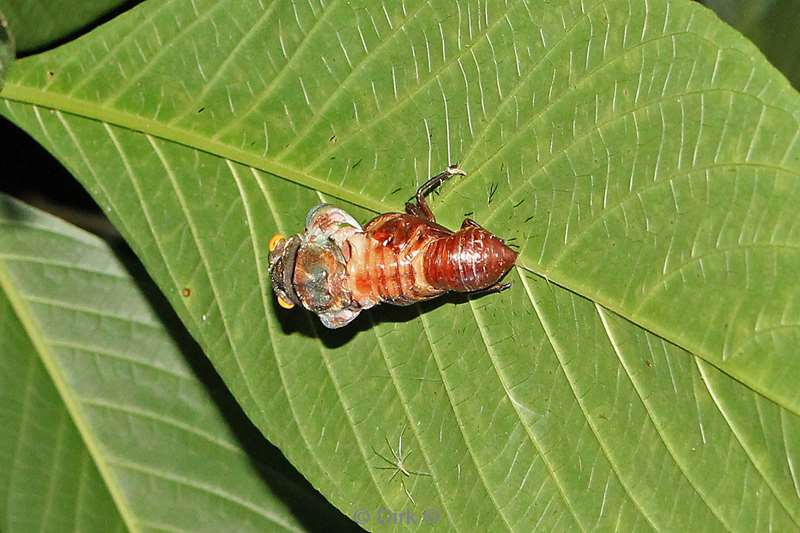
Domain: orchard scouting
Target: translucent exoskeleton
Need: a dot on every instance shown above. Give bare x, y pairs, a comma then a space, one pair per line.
336, 268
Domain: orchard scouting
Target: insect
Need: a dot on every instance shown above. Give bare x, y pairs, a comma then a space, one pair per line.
397, 464
336, 268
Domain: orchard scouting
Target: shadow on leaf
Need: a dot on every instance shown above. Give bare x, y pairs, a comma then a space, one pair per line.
307, 323
284, 481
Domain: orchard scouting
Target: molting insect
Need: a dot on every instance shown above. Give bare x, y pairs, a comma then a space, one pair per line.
336, 268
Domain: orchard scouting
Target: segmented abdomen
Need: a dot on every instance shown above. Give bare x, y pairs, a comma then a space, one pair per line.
402, 259
468, 260
380, 273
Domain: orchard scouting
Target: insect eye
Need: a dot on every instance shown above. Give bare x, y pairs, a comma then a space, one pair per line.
285, 303
273, 242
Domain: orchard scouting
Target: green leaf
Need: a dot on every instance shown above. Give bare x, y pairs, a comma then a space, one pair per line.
770, 24
40, 23
641, 371
110, 420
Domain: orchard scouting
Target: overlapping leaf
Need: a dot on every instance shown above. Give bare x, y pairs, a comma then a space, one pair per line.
642, 155
109, 421
770, 24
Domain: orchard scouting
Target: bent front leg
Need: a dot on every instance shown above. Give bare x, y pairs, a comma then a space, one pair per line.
431, 185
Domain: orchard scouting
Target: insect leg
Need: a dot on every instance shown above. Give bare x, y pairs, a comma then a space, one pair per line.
497, 287
469, 223
413, 209
432, 184
403, 483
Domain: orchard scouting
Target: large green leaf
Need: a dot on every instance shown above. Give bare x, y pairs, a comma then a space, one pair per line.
109, 421
641, 373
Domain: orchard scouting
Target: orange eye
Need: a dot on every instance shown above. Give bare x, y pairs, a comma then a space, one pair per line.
284, 303
273, 242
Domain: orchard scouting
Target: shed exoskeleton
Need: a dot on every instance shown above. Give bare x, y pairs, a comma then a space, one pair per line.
336, 268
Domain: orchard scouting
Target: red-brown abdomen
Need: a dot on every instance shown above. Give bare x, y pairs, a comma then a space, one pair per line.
383, 266
468, 260
380, 274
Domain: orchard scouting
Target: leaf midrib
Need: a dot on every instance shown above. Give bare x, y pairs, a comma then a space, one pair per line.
81, 108
47, 358
85, 109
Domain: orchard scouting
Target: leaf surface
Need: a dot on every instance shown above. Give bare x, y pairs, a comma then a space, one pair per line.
109, 420
641, 373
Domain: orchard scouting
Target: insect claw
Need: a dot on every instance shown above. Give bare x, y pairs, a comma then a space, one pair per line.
497, 287
469, 223
453, 170
431, 185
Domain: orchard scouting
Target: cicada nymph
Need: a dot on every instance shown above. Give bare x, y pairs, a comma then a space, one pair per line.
336, 268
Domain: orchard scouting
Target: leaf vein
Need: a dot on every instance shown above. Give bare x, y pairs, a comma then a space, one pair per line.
604, 320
